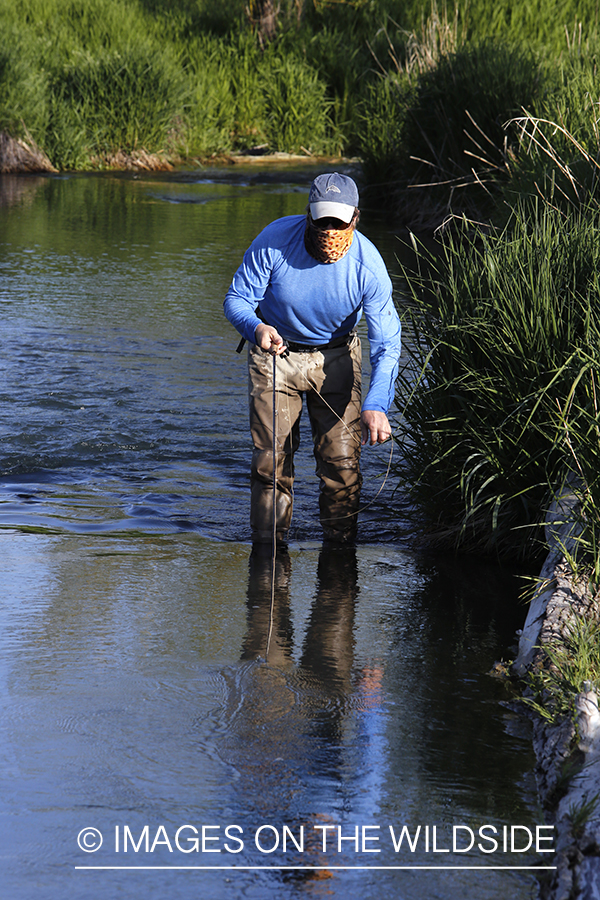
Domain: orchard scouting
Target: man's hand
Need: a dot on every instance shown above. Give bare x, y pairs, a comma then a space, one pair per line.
267, 338
374, 425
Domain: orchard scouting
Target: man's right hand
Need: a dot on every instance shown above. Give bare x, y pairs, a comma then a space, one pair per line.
268, 339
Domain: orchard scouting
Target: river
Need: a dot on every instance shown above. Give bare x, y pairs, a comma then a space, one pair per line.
148, 749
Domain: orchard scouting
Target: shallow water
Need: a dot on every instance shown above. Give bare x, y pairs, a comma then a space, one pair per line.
144, 680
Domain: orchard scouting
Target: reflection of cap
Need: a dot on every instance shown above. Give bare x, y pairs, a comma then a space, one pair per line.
333, 195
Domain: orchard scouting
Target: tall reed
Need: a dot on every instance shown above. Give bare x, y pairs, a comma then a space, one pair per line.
501, 320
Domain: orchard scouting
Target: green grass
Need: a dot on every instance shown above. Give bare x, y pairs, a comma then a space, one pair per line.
537, 22
376, 78
504, 323
571, 663
87, 78
455, 124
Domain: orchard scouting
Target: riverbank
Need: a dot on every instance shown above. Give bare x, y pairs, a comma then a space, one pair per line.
423, 95
567, 746
22, 156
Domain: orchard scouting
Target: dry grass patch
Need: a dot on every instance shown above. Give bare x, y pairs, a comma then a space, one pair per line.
20, 155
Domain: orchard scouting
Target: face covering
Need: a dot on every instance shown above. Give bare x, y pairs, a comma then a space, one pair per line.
327, 246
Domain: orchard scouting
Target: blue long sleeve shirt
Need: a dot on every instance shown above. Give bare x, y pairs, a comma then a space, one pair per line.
311, 303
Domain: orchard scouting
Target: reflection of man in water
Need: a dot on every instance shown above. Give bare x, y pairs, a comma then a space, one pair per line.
303, 285
296, 734
289, 717
328, 645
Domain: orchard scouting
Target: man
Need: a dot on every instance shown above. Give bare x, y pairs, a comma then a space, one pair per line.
301, 289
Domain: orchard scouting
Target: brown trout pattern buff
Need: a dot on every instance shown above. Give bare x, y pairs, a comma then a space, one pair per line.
327, 246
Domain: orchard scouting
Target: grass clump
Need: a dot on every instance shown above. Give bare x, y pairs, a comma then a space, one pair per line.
502, 323
119, 101
243, 97
573, 665
435, 136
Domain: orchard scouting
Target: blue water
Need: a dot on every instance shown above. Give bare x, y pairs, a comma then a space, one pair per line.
147, 683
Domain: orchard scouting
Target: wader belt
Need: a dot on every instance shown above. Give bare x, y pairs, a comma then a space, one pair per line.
306, 348
312, 348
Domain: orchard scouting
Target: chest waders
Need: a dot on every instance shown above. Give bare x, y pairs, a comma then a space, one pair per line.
330, 379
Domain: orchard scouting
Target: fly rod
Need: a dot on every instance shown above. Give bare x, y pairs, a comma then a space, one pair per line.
274, 539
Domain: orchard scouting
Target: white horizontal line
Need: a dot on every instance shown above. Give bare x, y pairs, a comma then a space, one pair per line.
318, 868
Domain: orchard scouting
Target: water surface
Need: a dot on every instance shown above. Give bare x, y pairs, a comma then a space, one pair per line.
146, 679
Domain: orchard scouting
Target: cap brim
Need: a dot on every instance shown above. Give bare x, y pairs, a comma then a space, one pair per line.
322, 209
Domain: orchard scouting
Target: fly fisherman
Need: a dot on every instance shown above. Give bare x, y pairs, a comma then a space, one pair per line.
301, 289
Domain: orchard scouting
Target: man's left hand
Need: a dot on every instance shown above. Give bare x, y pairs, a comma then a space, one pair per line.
374, 425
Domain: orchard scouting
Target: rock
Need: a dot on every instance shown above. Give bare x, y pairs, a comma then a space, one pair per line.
567, 753
588, 722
